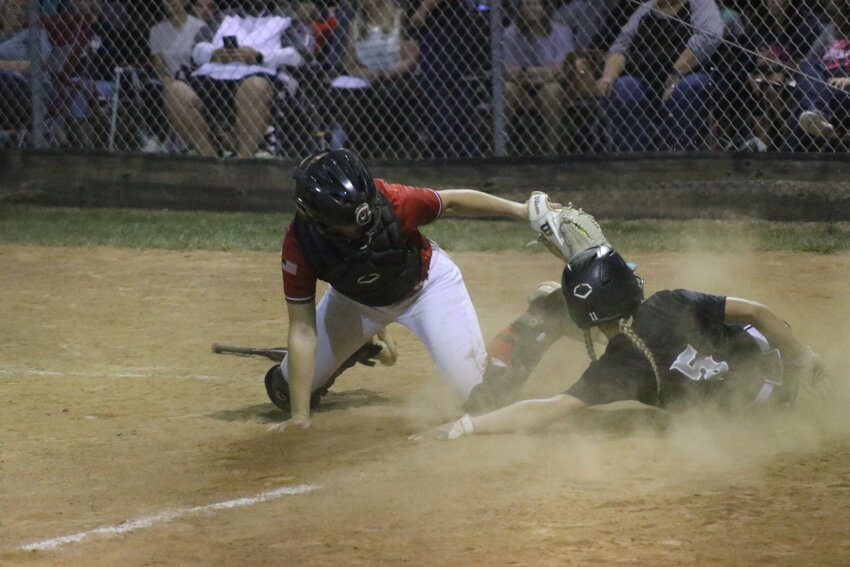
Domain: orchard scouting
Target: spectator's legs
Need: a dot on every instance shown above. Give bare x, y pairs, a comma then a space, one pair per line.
777, 114
812, 93
630, 115
185, 112
253, 113
818, 103
550, 102
153, 110
516, 97
14, 100
686, 126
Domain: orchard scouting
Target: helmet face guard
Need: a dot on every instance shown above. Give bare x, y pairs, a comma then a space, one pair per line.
600, 287
335, 192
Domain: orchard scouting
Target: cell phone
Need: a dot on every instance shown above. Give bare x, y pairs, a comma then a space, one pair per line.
230, 42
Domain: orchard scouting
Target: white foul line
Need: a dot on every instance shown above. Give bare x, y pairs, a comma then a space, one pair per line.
165, 373
149, 521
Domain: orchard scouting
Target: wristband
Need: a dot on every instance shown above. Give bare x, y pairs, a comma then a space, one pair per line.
461, 427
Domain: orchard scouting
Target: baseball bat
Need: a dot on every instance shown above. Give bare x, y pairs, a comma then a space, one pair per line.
276, 353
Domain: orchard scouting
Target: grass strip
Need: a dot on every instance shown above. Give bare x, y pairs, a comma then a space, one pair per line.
186, 230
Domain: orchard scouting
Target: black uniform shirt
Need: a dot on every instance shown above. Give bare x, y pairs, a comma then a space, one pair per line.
698, 355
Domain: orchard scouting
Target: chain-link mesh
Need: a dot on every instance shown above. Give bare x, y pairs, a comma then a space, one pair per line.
424, 79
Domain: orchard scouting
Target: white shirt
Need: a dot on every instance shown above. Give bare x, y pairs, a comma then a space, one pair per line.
173, 45
263, 33
378, 50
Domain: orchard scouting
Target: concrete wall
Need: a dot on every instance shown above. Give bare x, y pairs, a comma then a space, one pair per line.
716, 185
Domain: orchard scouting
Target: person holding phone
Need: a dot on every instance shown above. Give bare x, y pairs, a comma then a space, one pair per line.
240, 55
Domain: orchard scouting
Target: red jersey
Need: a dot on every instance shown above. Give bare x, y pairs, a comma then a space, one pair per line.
414, 207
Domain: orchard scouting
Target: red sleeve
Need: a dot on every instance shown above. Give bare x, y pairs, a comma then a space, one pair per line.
299, 283
414, 206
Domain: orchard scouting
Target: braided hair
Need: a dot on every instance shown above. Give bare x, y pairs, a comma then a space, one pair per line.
625, 327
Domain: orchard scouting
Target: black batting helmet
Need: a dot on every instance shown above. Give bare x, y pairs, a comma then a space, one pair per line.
334, 189
599, 286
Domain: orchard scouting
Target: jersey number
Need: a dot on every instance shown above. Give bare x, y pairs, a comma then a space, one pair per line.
699, 367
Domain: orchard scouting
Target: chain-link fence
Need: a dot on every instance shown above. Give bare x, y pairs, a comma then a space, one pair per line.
424, 79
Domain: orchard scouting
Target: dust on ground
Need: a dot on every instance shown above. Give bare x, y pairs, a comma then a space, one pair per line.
114, 410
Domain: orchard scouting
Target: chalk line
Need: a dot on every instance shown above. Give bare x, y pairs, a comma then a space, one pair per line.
149, 521
4, 372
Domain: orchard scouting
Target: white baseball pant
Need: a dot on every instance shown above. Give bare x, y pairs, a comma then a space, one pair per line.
441, 314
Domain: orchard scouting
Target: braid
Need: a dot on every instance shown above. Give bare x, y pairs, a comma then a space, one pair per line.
588, 344
626, 329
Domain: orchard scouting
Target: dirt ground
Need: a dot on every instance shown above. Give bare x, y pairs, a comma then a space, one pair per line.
125, 441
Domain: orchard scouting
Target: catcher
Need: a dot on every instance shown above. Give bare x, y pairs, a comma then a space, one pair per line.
673, 350
361, 236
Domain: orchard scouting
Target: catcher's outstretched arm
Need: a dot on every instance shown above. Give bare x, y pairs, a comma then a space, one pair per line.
471, 203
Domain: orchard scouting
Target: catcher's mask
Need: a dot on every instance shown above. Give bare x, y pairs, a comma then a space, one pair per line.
599, 287
334, 190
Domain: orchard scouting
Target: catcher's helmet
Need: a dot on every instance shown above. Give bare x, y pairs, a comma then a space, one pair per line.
599, 286
333, 189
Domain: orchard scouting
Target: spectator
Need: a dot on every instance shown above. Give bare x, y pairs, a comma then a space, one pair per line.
240, 77
782, 35
585, 18
116, 42
16, 65
663, 49
536, 65
376, 95
454, 43
325, 26
825, 79
205, 10
170, 42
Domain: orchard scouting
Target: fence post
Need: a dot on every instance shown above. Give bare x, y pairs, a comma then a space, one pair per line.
37, 73
496, 65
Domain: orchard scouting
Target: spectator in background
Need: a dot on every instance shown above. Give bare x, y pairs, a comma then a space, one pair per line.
205, 10
170, 42
52, 7
117, 42
663, 50
782, 34
454, 44
326, 23
824, 81
237, 78
16, 65
585, 18
536, 49
375, 98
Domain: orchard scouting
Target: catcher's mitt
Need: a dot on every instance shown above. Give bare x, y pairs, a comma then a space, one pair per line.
563, 231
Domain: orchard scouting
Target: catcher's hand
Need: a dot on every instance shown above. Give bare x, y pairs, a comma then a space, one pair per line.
294, 422
564, 231
447, 431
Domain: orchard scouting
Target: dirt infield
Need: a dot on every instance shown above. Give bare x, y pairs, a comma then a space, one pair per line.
126, 442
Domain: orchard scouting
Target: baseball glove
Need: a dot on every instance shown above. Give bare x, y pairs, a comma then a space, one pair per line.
563, 231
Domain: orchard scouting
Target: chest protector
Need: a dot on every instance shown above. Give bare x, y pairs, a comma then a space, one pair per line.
383, 273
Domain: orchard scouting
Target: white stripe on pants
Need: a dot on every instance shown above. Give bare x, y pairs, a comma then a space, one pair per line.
441, 314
